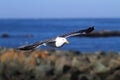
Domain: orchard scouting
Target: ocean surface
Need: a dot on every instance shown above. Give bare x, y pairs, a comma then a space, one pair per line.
43, 29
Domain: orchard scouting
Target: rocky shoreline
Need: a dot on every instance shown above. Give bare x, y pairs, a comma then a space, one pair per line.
58, 65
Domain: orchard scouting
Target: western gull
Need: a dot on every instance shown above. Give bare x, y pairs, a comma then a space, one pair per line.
56, 42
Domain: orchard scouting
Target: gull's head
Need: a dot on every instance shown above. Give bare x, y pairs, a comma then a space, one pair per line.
60, 41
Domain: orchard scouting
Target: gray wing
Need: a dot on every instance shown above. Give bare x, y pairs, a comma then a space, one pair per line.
36, 44
84, 31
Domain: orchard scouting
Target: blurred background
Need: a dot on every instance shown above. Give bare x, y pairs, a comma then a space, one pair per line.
27, 21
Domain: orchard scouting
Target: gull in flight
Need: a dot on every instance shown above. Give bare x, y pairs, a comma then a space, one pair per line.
58, 41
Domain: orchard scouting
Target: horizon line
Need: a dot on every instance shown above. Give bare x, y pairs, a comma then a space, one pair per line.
63, 18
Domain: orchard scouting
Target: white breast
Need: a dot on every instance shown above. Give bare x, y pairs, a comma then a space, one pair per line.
59, 41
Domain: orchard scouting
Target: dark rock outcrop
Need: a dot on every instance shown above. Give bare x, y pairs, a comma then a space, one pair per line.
104, 33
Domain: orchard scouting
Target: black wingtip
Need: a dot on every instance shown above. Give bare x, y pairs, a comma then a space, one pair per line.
90, 29
25, 49
29, 47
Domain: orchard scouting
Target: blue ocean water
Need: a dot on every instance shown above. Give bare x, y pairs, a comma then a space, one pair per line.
43, 29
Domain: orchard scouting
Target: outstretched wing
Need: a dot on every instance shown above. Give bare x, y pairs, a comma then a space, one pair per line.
36, 44
84, 31
49, 41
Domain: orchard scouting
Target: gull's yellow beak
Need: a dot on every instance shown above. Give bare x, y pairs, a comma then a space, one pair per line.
67, 42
